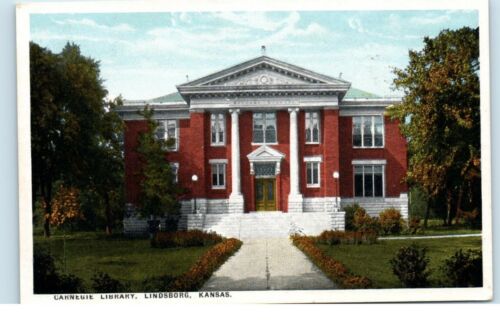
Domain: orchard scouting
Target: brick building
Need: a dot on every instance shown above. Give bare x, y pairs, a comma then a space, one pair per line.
274, 149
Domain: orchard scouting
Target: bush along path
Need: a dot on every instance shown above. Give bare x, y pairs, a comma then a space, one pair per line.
334, 269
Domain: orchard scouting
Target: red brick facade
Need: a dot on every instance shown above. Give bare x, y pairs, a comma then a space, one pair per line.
335, 148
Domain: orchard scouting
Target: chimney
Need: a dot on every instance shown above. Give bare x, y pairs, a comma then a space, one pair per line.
263, 50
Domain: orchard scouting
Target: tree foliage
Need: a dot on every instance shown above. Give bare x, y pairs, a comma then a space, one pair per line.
159, 189
440, 115
73, 131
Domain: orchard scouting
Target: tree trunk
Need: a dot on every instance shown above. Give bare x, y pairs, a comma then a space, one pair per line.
448, 208
427, 212
47, 200
458, 213
109, 218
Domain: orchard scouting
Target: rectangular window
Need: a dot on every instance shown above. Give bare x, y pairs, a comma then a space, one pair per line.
368, 131
218, 175
218, 124
312, 127
175, 171
368, 181
312, 174
168, 130
264, 127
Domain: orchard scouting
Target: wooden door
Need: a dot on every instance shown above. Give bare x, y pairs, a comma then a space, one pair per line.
265, 194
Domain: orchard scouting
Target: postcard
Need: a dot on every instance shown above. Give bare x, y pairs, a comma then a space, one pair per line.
216, 151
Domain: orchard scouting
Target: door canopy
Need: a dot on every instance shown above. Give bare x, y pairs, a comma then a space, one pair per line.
265, 155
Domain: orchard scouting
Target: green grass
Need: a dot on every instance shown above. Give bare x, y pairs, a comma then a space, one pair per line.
372, 261
127, 260
436, 227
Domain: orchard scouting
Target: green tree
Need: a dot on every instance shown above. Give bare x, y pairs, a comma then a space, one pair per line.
440, 115
159, 189
73, 134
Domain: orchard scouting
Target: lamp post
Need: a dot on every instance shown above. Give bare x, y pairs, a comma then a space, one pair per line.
194, 178
336, 177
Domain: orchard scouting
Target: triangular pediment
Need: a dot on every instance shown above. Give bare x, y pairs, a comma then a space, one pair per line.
265, 154
265, 71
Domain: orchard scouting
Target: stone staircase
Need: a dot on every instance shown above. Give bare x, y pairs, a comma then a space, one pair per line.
264, 224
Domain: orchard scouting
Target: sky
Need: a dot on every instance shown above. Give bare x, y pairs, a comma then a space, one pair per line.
145, 55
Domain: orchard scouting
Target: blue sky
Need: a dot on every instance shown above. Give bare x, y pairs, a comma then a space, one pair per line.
144, 55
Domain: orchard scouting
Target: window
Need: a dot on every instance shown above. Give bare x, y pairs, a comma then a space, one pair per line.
264, 127
312, 127
217, 122
368, 131
312, 174
368, 181
218, 175
175, 171
168, 131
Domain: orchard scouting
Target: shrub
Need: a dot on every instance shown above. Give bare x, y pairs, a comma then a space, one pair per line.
335, 270
158, 283
390, 221
364, 222
103, 283
350, 210
464, 269
194, 278
351, 237
410, 266
47, 280
414, 225
193, 238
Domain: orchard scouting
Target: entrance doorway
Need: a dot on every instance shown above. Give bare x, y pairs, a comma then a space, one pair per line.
265, 194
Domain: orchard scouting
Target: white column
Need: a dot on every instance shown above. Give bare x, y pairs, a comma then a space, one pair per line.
295, 200
236, 198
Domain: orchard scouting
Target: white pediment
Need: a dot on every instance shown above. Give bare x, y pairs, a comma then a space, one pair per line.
265, 71
262, 76
265, 154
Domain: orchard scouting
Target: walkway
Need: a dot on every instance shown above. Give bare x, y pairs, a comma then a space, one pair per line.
444, 236
268, 264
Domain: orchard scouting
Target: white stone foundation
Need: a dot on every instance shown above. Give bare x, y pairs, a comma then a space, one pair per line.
374, 206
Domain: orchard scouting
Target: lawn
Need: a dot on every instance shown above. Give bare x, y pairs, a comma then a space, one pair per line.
127, 260
372, 261
436, 227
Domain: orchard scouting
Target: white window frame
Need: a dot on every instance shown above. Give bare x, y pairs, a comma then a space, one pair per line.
176, 174
315, 161
216, 117
372, 130
363, 163
310, 120
265, 142
217, 164
164, 124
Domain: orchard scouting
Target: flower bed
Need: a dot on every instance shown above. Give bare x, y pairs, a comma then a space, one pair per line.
193, 238
335, 270
195, 277
332, 238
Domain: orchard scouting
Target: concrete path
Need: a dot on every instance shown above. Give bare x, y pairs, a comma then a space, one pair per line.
268, 264
432, 236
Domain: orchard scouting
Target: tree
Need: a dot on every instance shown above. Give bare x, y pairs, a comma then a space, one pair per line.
73, 135
159, 189
440, 118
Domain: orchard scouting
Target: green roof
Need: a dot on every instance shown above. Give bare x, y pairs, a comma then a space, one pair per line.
169, 98
354, 93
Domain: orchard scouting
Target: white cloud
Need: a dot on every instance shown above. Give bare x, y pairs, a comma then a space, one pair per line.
430, 20
256, 19
85, 22
355, 24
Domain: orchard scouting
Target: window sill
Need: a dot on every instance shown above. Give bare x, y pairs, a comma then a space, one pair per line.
310, 143
218, 188
218, 145
364, 147
313, 186
260, 144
